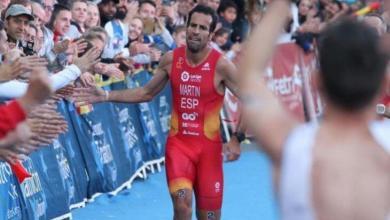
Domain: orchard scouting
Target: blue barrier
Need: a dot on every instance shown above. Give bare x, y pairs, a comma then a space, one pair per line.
100, 153
10, 202
75, 160
32, 193
127, 116
153, 134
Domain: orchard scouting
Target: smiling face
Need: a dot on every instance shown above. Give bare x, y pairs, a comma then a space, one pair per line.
92, 16
62, 22
16, 26
30, 34
198, 32
135, 28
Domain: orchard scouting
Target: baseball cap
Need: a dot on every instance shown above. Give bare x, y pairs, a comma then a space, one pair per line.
16, 10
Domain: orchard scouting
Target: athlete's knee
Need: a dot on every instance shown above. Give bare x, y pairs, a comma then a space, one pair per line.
182, 203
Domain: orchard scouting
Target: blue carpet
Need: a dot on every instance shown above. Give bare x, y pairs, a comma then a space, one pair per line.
248, 195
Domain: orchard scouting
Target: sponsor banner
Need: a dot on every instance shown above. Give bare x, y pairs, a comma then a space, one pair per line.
232, 111
75, 162
128, 121
10, 202
51, 180
148, 113
164, 106
290, 77
284, 78
31, 191
93, 133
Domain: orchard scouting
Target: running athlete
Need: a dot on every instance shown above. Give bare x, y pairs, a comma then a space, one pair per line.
198, 75
339, 168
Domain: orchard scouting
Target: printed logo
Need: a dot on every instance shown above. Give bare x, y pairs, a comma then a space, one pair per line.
179, 63
217, 187
185, 76
190, 117
196, 78
206, 67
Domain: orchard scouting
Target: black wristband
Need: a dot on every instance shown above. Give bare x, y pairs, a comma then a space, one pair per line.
240, 136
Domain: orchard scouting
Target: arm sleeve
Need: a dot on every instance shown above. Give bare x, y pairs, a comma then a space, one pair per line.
230, 55
10, 116
141, 58
167, 38
12, 89
15, 89
64, 77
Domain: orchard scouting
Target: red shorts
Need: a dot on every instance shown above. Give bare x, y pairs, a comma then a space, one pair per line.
196, 164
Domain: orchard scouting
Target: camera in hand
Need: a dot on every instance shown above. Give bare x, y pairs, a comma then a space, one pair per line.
28, 48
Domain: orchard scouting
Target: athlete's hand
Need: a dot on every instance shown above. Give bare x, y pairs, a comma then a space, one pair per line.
232, 149
89, 95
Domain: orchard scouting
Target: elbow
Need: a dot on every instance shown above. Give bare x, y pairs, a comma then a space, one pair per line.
147, 96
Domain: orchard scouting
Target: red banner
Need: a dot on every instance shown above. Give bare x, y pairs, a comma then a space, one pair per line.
290, 77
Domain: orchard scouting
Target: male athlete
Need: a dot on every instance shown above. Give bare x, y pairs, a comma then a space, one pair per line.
339, 168
198, 75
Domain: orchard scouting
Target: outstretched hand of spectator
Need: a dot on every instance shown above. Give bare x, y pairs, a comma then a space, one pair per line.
127, 64
87, 79
46, 125
85, 62
112, 69
38, 91
138, 47
65, 92
21, 65
61, 47
80, 46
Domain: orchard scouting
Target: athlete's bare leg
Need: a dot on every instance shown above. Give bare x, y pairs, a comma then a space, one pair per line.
182, 204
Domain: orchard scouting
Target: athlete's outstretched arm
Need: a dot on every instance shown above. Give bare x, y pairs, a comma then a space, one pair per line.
263, 113
151, 89
141, 94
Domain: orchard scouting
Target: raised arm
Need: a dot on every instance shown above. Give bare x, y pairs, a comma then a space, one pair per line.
263, 113
141, 94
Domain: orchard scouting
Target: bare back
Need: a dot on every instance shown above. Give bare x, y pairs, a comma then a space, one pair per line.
350, 175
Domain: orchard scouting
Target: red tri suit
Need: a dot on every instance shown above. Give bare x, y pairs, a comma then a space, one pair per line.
194, 146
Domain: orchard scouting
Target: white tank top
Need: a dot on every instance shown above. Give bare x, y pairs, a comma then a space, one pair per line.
295, 182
